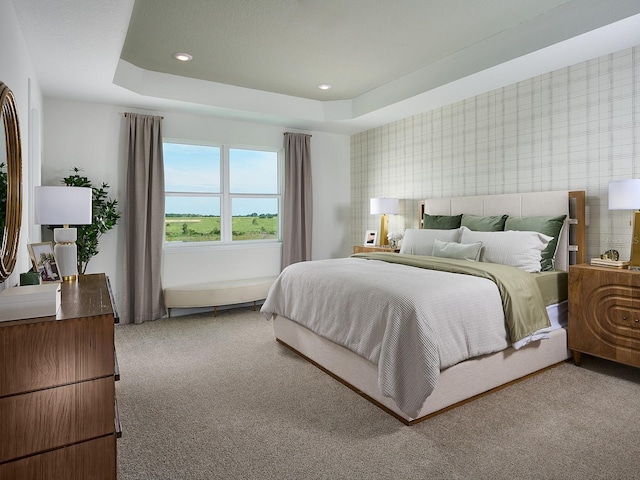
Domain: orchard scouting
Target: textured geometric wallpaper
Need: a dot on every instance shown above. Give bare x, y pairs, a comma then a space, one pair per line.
575, 128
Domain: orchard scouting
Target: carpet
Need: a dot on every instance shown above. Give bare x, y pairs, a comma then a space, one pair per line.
205, 397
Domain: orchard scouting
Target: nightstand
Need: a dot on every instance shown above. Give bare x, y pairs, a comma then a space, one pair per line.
604, 313
366, 249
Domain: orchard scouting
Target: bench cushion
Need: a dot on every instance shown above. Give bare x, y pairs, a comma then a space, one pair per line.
211, 294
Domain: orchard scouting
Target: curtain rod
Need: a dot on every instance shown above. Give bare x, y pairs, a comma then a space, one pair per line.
126, 114
284, 133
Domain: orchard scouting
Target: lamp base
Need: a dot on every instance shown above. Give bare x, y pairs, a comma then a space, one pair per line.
66, 252
383, 230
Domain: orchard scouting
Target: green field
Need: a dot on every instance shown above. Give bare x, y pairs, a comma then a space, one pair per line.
195, 228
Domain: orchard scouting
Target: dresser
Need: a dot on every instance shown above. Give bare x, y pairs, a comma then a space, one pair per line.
57, 389
604, 313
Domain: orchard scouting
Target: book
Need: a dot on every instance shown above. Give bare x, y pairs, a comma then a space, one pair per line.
29, 301
603, 262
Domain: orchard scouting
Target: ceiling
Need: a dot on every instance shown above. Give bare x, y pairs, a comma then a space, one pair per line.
261, 60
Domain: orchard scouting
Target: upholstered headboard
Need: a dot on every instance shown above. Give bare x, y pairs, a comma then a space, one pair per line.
572, 242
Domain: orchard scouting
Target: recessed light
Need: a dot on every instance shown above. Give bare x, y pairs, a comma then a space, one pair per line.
183, 57
325, 86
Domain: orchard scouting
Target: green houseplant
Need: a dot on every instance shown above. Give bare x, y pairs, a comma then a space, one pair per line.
104, 213
3, 198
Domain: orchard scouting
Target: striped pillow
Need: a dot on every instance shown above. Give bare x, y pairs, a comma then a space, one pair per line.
520, 249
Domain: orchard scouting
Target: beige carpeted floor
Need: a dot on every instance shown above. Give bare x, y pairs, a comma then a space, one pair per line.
217, 398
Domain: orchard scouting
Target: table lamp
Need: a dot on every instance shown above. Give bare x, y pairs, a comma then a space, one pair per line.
625, 195
384, 206
65, 206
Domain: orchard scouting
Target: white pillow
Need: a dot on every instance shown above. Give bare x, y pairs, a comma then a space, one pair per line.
520, 249
460, 251
420, 242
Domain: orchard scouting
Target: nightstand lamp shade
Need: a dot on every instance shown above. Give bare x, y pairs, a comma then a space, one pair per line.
66, 206
625, 195
384, 206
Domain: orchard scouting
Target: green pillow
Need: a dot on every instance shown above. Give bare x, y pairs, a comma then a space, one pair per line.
550, 226
460, 251
442, 222
494, 223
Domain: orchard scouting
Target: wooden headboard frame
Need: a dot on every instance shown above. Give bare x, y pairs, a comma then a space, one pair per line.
572, 242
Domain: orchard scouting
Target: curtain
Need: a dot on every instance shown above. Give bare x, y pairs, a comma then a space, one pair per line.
144, 220
297, 217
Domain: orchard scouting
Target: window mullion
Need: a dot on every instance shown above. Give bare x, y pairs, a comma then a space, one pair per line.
225, 217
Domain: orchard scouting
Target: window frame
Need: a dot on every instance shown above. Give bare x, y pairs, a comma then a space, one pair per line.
226, 197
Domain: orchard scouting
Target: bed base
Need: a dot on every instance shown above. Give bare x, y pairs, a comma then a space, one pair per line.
457, 385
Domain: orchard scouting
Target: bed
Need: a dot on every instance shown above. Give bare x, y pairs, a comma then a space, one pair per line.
396, 362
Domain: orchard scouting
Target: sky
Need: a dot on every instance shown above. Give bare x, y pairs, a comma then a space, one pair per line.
196, 169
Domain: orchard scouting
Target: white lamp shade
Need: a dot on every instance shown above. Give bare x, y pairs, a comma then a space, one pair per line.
624, 194
62, 205
384, 205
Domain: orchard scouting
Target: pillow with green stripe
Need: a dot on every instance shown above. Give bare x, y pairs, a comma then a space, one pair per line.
551, 226
460, 251
441, 222
493, 223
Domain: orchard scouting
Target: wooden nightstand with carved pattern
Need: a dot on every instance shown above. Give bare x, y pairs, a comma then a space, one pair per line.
604, 313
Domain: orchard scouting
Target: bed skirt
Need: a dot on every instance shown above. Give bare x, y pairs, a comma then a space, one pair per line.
456, 385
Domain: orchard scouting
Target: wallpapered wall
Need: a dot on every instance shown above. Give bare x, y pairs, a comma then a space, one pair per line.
575, 128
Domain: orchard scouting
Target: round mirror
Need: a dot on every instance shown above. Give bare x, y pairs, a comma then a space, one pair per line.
10, 183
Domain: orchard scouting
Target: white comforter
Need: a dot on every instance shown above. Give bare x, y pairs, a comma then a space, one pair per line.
409, 321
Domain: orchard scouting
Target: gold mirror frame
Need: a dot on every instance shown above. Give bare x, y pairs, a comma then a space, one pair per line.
13, 214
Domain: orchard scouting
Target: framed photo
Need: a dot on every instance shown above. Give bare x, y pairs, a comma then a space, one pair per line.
44, 262
370, 238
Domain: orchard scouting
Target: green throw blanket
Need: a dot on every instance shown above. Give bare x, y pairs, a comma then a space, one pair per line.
522, 301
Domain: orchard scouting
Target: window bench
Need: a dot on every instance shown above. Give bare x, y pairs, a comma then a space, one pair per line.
214, 294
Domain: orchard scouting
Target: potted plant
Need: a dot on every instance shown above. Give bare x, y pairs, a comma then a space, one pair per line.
104, 213
3, 198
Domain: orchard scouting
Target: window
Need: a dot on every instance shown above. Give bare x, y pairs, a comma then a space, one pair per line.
221, 194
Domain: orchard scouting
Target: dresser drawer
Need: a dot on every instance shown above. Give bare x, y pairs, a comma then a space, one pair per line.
95, 460
57, 352
51, 418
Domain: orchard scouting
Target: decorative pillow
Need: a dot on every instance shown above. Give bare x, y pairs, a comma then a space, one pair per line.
460, 251
441, 222
494, 223
551, 226
516, 248
420, 242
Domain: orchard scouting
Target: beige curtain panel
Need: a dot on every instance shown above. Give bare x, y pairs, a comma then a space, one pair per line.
298, 199
144, 220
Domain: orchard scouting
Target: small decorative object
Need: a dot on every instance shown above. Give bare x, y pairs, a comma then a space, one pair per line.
610, 258
394, 238
605, 262
370, 238
44, 262
30, 278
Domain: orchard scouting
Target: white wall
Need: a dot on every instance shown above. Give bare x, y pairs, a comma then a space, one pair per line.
92, 137
17, 73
